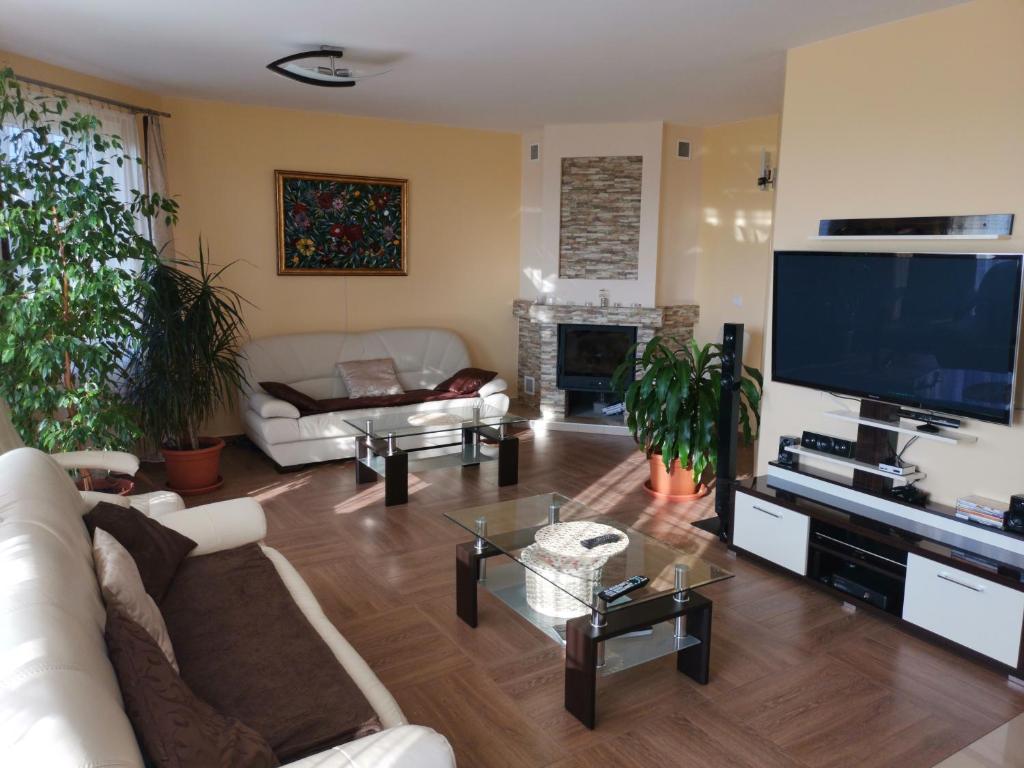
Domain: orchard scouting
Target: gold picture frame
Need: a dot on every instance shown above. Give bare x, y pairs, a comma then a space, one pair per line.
335, 224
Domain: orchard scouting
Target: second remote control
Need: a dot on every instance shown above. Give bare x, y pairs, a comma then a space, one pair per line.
622, 588
597, 541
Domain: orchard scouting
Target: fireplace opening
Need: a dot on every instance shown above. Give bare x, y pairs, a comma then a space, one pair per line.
589, 354
587, 358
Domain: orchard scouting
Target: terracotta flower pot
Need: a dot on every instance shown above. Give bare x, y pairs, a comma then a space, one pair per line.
674, 485
193, 472
121, 486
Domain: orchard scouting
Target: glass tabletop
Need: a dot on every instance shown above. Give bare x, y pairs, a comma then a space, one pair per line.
543, 534
430, 422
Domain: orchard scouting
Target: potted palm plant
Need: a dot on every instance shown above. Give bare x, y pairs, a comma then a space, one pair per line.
672, 396
187, 367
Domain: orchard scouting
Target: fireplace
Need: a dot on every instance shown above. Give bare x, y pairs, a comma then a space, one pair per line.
589, 354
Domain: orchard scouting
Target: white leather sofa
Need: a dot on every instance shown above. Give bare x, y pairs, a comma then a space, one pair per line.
423, 357
59, 700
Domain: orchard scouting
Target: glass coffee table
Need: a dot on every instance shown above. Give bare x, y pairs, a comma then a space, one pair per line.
453, 438
558, 585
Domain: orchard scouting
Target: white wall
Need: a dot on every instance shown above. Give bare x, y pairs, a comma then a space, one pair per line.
541, 195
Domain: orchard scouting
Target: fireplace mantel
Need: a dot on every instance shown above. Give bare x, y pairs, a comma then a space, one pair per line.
538, 340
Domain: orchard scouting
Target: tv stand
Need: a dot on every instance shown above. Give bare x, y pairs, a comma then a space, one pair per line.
958, 583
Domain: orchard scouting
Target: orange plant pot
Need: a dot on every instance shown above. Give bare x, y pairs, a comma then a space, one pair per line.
193, 472
676, 484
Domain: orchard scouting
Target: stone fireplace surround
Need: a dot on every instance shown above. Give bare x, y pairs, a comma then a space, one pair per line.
538, 340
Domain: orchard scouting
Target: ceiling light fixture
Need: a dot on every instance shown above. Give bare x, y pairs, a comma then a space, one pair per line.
321, 67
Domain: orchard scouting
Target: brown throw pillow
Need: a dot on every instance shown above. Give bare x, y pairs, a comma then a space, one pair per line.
466, 382
289, 395
156, 549
175, 727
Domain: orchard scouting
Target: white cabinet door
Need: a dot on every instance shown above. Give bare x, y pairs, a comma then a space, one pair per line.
772, 532
964, 608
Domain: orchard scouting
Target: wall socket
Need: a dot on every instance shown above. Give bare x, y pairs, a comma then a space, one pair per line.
529, 385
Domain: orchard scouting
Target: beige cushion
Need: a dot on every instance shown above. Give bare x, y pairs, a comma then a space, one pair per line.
370, 378
121, 586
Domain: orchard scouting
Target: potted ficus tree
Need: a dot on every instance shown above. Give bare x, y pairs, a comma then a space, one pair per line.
70, 282
186, 367
672, 411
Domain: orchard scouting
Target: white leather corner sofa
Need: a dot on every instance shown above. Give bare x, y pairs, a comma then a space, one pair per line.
423, 358
59, 699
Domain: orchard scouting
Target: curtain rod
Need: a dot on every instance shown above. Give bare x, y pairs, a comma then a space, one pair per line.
94, 97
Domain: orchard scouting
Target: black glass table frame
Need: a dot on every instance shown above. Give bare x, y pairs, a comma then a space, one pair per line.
586, 635
382, 457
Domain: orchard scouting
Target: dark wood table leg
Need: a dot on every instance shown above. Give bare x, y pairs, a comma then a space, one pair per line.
695, 661
363, 473
581, 671
396, 478
467, 573
508, 461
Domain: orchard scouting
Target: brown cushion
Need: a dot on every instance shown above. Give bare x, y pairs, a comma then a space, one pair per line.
176, 729
411, 397
467, 381
289, 395
244, 646
156, 549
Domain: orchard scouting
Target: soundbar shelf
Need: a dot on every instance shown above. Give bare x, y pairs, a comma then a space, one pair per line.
854, 464
948, 436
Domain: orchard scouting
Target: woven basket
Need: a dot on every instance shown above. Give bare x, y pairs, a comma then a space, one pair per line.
544, 597
556, 558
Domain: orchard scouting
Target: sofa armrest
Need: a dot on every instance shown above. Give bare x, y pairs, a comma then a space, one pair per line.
271, 408
220, 525
407, 746
111, 461
495, 385
153, 504
496, 404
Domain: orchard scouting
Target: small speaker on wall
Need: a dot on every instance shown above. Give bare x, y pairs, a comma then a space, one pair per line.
683, 150
535, 151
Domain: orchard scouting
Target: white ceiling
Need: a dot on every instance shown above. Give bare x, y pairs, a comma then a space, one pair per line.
503, 64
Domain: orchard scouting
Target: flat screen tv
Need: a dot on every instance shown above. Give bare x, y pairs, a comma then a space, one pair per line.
932, 331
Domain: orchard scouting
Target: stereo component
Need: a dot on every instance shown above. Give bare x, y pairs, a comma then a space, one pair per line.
731, 358
836, 446
788, 459
1014, 520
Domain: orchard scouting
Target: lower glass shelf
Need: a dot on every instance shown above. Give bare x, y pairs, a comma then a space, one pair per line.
425, 459
506, 580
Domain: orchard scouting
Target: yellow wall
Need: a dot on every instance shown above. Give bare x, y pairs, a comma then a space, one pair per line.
463, 215
735, 231
678, 249
922, 116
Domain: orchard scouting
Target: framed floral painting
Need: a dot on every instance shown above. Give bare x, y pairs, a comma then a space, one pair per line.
341, 225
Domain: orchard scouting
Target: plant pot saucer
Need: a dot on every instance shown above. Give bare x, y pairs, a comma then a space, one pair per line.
702, 491
197, 491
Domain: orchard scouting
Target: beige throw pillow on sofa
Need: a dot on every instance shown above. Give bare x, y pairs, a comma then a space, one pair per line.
370, 378
121, 586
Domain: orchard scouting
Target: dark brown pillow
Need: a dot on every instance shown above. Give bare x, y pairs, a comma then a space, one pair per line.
156, 549
466, 382
175, 727
289, 395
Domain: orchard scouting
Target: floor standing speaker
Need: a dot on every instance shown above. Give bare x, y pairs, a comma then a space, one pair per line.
728, 426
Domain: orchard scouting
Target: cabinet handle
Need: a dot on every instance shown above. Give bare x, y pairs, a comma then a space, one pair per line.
947, 577
767, 512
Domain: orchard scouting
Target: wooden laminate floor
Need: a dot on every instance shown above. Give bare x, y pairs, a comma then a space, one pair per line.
795, 679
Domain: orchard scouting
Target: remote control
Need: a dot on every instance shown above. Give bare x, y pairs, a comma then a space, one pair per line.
622, 588
597, 541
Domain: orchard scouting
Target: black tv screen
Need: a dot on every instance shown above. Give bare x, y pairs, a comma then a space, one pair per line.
926, 330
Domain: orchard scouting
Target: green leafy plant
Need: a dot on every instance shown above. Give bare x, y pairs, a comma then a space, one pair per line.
672, 403
187, 364
70, 275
